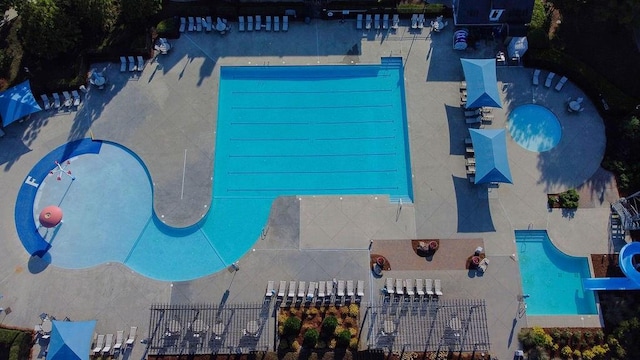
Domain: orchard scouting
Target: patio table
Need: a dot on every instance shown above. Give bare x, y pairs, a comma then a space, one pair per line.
574, 105
46, 326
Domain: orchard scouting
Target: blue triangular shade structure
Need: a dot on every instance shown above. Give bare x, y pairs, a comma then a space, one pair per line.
71, 340
492, 162
17, 102
482, 84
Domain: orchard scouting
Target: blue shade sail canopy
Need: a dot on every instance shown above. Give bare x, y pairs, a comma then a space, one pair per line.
492, 162
17, 102
71, 340
482, 83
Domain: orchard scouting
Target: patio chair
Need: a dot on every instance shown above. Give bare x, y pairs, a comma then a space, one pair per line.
482, 266
359, 22
550, 77
470, 161
119, 340
67, 99
399, 287
463, 85
385, 21
428, 285
471, 169
123, 64
301, 287
76, 98
350, 292
183, 24
191, 24
132, 336
360, 288
208, 23
282, 289
198, 24
249, 23
395, 23
108, 342
276, 23
311, 292
376, 21
340, 289
367, 24
258, 22
414, 21
56, 100
409, 287
472, 113
285, 23
132, 63
321, 289
561, 83
389, 286
45, 101
437, 287
270, 289
99, 344
420, 287
240, 23
292, 289
140, 63
267, 25
536, 77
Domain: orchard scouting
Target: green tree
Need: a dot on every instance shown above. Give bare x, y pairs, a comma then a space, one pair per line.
97, 17
140, 10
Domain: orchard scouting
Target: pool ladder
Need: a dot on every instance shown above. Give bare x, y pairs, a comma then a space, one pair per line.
265, 231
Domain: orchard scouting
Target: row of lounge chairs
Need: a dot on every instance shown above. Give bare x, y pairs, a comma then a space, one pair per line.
104, 345
470, 160
250, 25
57, 102
133, 65
196, 23
320, 291
417, 21
368, 22
421, 287
549, 81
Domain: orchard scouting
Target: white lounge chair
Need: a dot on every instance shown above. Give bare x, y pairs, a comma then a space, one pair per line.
395, 23
285, 23
321, 289
350, 292
99, 344
428, 284
472, 113
385, 21
192, 25
258, 22
301, 288
267, 25
340, 290
249, 23
123, 64
437, 287
45, 101
399, 287
292, 289
140, 63
561, 83
389, 286
409, 287
183, 24
198, 24
420, 21
367, 24
414, 21
329, 289
56, 100
132, 336
311, 292
536, 77
240, 23
270, 289
119, 340
550, 77
420, 287
282, 289
276, 23
132, 64
108, 342
208, 23
359, 22
482, 266
76, 98
360, 288
376, 21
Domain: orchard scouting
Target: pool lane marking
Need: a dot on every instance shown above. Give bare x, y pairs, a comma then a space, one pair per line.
184, 170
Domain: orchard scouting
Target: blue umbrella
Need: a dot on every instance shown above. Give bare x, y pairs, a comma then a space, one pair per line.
17, 102
492, 162
71, 340
482, 83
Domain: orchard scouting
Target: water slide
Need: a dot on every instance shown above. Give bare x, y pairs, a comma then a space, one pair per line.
630, 282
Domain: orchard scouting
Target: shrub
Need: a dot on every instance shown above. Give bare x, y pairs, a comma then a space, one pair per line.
310, 338
599, 336
569, 199
329, 324
343, 339
292, 326
577, 353
566, 352
295, 346
588, 355
354, 310
576, 337
353, 343
535, 337
600, 350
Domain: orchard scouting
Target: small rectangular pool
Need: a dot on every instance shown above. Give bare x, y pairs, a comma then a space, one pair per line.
552, 279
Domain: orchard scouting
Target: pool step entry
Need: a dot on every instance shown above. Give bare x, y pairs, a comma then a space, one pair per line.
530, 235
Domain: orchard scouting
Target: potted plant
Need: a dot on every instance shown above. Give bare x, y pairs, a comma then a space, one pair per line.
433, 246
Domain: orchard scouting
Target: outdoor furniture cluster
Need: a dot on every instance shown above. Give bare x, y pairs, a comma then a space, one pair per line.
470, 160
318, 292
133, 64
478, 261
438, 24
427, 248
97, 78
367, 22
161, 45
68, 101
575, 105
43, 330
417, 21
413, 289
270, 22
104, 345
535, 80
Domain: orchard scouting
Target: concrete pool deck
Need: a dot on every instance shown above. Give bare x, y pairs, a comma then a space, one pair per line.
167, 115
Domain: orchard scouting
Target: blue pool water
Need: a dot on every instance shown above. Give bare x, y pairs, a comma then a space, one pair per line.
534, 127
551, 278
321, 130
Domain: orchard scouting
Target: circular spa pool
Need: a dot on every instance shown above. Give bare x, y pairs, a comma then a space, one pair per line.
534, 127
